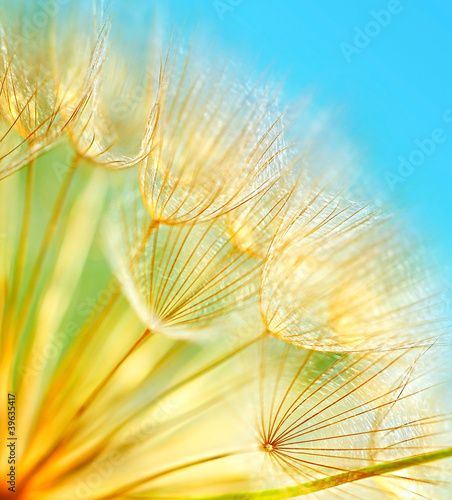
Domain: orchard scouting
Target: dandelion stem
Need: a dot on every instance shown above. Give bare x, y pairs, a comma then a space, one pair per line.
98, 314
100, 310
8, 336
68, 432
160, 397
335, 480
172, 389
20, 257
171, 470
93, 396
29, 299
19, 261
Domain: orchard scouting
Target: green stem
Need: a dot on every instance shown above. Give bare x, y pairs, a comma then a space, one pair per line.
20, 258
27, 305
332, 481
18, 264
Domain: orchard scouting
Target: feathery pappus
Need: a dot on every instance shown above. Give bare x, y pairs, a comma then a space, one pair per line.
189, 307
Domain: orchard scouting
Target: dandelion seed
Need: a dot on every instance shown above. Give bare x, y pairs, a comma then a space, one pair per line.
40, 97
216, 145
341, 279
183, 277
116, 127
323, 414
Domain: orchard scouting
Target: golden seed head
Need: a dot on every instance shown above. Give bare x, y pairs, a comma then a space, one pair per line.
263, 281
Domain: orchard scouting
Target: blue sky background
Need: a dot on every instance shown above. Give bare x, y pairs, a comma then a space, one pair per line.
392, 89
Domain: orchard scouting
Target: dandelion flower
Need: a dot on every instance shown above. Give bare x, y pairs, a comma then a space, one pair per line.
257, 335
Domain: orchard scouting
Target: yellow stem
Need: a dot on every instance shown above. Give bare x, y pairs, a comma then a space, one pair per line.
140, 482
27, 305
69, 431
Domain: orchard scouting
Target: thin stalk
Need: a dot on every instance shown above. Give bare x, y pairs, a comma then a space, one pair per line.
29, 299
23, 241
103, 443
187, 465
332, 481
93, 396
82, 342
98, 314
19, 263
174, 388
68, 432
9, 335
56, 392
91, 323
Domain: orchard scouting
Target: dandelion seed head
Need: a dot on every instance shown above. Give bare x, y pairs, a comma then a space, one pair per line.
256, 330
